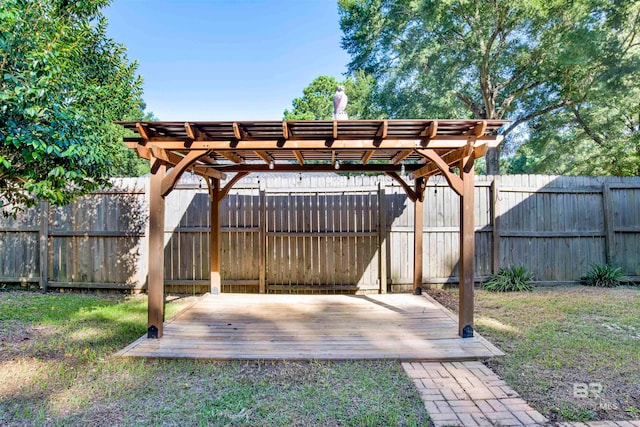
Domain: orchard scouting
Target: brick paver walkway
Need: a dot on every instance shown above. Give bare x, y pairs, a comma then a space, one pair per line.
469, 394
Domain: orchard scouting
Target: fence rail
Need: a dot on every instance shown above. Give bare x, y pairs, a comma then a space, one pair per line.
327, 234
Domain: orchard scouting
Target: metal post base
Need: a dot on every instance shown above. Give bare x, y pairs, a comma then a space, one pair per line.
467, 332
152, 332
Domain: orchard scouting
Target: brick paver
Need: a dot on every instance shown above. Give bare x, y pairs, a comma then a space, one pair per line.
468, 394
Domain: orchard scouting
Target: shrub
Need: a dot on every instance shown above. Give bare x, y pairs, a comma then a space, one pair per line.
510, 279
604, 276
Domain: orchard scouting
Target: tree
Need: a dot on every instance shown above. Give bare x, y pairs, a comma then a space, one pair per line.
63, 83
129, 164
598, 135
518, 59
316, 102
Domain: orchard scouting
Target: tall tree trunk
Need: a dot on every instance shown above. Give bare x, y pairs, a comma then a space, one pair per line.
493, 161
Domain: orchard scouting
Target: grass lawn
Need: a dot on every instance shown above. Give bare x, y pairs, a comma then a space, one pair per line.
561, 340
57, 368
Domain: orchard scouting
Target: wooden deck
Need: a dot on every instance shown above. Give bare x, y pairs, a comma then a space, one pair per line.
308, 327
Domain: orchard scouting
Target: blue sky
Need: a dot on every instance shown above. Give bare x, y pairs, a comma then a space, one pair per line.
228, 59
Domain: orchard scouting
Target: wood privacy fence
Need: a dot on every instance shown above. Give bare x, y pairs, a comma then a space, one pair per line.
327, 233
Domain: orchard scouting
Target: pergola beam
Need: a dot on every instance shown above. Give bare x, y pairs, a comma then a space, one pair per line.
478, 130
367, 156
194, 132
442, 166
143, 152
208, 172
264, 156
208, 160
429, 133
238, 132
299, 156
142, 130
312, 167
286, 134
400, 156
381, 134
439, 142
231, 156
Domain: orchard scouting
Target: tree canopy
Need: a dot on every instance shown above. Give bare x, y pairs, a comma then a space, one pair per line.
559, 70
62, 84
316, 102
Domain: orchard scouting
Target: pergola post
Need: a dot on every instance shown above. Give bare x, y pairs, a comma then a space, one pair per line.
214, 236
155, 278
418, 209
467, 249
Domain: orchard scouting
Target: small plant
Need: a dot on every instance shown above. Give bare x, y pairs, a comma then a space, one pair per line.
571, 413
510, 279
604, 276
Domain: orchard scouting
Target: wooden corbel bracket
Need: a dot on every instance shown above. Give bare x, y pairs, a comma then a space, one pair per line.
455, 182
411, 194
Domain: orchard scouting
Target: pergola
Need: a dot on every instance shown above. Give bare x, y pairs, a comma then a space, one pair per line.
422, 148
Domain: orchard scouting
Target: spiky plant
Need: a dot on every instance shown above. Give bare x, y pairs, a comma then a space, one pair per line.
510, 279
604, 276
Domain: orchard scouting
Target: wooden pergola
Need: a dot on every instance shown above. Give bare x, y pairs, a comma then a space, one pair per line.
422, 148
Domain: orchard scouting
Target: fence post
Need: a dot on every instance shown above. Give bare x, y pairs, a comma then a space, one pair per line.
609, 235
495, 217
43, 238
262, 236
382, 237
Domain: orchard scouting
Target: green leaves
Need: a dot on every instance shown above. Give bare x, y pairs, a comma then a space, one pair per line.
510, 279
5, 163
63, 84
507, 59
316, 102
605, 276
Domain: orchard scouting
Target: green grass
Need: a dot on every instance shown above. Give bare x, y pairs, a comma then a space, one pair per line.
555, 338
57, 368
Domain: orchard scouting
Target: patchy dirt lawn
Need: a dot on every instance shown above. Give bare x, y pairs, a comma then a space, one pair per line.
572, 352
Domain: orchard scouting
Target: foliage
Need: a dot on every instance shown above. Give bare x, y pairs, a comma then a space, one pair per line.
510, 279
507, 59
62, 84
129, 164
601, 136
604, 276
316, 102
571, 413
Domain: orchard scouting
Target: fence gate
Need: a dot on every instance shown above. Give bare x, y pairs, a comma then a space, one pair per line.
322, 240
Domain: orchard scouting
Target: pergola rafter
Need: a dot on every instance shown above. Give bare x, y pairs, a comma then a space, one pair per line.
422, 148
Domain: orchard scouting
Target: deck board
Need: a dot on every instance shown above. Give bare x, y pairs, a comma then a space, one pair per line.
313, 327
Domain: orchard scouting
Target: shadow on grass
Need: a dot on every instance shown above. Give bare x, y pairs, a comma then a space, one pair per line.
68, 324
67, 376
